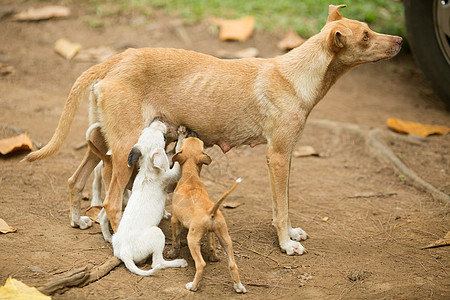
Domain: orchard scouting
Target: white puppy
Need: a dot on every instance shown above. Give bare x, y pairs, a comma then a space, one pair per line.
138, 235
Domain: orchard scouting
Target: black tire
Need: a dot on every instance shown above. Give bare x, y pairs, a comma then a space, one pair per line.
432, 57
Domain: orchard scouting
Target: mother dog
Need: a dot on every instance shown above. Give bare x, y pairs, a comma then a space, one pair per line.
227, 102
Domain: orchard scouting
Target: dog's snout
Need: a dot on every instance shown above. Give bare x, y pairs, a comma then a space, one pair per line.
398, 40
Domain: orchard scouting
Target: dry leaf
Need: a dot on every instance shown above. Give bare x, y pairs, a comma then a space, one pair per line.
43, 13
305, 151
15, 143
232, 204
14, 289
416, 128
67, 48
240, 29
325, 219
96, 55
244, 53
5, 228
6, 70
441, 242
92, 212
290, 41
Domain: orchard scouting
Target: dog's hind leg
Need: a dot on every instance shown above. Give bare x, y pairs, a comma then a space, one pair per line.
76, 185
225, 240
194, 237
97, 186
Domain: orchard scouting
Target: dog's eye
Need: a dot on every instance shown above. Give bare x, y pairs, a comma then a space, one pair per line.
365, 37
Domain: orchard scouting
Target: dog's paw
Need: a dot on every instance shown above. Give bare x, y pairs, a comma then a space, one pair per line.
239, 288
297, 234
293, 248
166, 215
213, 257
85, 222
190, 286
182, 263
182, 131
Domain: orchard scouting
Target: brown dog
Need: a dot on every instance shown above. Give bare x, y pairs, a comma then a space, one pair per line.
192, 208
227, 102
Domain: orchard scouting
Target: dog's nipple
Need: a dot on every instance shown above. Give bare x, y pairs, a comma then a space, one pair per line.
224, 146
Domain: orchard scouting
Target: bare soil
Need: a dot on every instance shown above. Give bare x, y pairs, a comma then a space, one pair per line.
367, 223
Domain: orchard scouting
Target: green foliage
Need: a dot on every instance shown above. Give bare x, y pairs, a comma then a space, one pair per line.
305, 16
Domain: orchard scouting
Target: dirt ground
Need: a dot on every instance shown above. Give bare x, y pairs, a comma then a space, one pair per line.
367, 223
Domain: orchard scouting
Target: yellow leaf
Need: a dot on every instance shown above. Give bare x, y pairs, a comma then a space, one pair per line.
290, 41
15, 143
92, 212
16, 290
240, 29
416, 128
66, 48
445, 241
5, 228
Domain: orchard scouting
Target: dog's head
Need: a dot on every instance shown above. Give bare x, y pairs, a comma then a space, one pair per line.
150, 147
354, 43
192, 148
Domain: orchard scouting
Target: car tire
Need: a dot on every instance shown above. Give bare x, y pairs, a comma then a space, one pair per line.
429, 43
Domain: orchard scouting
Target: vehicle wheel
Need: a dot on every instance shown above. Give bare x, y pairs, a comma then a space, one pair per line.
428, 30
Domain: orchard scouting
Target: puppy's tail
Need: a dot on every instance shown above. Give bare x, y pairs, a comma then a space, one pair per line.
129, 263
213, 210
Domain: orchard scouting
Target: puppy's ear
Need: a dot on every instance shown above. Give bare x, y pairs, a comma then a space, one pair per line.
160, 159
205, 159
134, 155
179, 157
333, 12
338, 38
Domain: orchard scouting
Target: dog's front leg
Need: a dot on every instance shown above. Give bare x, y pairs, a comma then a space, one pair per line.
278, 161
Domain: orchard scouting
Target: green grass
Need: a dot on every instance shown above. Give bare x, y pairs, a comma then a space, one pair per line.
304, 16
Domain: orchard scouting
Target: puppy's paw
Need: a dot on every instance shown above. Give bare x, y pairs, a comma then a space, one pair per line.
292, 248
167, 215
182, 263
190, 286
182, 131
239, 288
297, 234
85, 222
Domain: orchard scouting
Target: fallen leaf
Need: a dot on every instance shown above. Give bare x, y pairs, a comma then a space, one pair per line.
14, 289
43, 13
5, 228
416, 128
290, 41
92, 212
6, 70
15, 143
239, 30
244, 53
305, 151
232, 204
66, 48
441, 242
96, 55
325, 219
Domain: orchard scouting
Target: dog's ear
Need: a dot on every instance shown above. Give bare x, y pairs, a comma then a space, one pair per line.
205, 159
134, 155
333, 12
179, 157
160, 159
338, 37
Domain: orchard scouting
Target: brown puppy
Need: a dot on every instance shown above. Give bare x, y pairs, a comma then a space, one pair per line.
192, 208
227, 102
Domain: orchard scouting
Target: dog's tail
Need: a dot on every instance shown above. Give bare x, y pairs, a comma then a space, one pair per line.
91, 146
129, 263
83, 82
213, 210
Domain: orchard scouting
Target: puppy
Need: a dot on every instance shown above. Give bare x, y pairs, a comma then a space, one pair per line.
138, 234
192, 208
